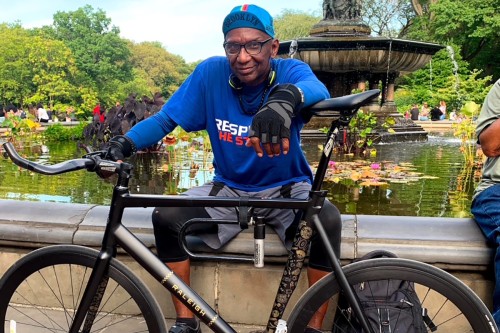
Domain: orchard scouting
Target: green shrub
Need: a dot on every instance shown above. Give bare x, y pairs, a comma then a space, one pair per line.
58, 132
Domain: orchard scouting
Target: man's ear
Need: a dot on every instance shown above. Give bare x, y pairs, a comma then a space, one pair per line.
274, 48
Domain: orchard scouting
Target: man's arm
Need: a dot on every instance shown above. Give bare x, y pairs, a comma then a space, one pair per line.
488, 123
142, 135
490, 139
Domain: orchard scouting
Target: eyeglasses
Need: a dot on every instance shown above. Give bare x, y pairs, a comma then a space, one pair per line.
254, 47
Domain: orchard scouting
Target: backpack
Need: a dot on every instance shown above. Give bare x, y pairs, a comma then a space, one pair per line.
390, 306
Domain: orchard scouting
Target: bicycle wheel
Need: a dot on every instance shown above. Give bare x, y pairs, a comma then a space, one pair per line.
450, 304
41, 291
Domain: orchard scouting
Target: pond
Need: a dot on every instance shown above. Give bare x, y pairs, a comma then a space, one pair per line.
446, 192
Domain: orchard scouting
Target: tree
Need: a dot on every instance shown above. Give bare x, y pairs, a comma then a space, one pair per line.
101, 55
292, 24
387, 17
53, 69
421, 7
445, 78
163, 71
474, 25
15, 71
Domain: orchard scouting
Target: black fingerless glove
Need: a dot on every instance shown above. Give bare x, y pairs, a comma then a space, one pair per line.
120, 147
272, 122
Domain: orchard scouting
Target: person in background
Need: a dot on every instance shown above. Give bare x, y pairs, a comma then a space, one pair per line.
2, 114
21, 113
442, 107
424, 112
485, 201
414, 112
250, 103
41, 113
70, 114
436, 113
453, 115
11, 108
99, 113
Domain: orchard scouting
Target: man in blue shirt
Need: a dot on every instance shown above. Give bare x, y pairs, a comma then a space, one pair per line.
249, 103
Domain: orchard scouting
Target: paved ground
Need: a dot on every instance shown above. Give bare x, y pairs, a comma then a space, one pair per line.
55, 315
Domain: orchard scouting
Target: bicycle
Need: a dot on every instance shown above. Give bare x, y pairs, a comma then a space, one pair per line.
89, 291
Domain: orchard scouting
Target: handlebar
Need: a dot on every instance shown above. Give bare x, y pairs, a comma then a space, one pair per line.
91, 162
97, 162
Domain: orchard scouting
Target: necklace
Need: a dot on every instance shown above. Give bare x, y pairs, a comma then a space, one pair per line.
251, 113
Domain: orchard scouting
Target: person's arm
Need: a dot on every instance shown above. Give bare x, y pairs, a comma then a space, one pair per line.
149, 131
270, 130
271, 125
490, 139
488, 123
313, 90
142, 135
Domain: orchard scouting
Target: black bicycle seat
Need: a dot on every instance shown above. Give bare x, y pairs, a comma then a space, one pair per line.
344, 103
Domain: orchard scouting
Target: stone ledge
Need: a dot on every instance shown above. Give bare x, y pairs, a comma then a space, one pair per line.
443, 241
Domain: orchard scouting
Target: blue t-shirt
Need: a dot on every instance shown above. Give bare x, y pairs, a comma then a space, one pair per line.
206, 101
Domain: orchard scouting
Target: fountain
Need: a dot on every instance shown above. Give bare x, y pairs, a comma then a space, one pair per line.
344, 57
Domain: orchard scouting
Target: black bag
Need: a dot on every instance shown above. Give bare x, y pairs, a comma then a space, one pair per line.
390, 306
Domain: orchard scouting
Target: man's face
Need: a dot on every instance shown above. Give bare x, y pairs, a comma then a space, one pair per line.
251, 69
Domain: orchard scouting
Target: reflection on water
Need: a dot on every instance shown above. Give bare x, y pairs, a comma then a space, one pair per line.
161, 173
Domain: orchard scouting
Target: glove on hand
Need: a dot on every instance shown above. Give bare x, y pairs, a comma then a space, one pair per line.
120, 147
272, 122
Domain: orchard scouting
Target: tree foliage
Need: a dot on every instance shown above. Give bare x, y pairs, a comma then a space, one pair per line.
53, 68
101, 55
473, 25
447, 77
387, 17
15, 72
292, 24
79, 60
162, 71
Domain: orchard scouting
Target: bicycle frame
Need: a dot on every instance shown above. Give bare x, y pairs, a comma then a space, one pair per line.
116, 234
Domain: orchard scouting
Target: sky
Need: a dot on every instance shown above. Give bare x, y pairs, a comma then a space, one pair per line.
191, 29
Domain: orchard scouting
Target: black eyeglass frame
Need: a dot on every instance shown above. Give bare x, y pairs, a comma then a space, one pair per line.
261, 44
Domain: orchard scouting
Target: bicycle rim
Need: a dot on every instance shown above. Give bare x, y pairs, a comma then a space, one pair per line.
41, 291
450, 304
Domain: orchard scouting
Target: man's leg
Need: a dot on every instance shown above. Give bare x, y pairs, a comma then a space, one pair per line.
182, 269
496, 291
313, 275
167, 222
319, 264
486, 211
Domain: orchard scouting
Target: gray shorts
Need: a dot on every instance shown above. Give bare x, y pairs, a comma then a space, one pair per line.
279, 219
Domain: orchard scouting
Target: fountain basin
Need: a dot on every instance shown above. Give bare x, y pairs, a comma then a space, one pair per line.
361, 54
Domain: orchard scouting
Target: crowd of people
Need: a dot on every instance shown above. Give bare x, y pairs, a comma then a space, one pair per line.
38, 113
11, 111
436, 113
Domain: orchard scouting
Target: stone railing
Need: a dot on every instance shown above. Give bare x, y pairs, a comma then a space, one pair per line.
454, 244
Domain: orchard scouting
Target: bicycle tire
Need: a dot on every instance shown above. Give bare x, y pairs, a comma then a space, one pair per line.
41, 290
432, 284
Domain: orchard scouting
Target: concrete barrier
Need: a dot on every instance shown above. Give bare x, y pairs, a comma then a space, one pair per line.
454, 244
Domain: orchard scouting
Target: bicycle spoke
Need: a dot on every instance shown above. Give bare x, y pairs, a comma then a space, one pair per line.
446, 303
43, 293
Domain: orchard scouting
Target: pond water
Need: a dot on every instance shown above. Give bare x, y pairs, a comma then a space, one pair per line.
447, 194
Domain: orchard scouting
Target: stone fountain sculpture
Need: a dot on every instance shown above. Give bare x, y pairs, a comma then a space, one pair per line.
344, 57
